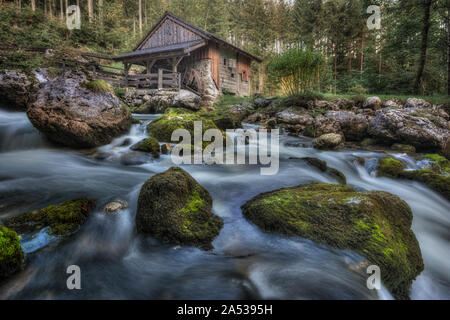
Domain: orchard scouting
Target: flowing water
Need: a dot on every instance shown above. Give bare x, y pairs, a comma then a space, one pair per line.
117, 263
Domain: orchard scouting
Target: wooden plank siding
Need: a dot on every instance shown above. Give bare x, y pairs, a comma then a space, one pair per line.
169, 32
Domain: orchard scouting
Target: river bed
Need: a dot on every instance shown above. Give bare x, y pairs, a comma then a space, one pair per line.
117, 263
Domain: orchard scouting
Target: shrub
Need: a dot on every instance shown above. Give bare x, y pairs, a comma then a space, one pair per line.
295, 69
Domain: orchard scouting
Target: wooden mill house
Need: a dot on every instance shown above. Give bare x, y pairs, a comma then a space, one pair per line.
177, 54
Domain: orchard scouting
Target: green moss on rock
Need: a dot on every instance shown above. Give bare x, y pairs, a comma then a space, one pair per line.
439, 164
375, 224
175, 208
403, 148
162, 127
63, 219
150, 145
97, 86
390, 168
435, 181
11, 256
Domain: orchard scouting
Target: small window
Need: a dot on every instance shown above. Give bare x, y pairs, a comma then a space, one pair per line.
232, 75
224, 62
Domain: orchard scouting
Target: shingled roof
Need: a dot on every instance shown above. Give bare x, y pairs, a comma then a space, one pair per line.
202, 33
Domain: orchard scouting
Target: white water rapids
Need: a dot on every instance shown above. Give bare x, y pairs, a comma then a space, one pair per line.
117, 263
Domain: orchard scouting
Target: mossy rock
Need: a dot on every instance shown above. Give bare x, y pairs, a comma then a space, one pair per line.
174, 208
63, 219
150, 145
375, 224
99, 86
11, 255
403, 148
390, 168
178, 111
439, 164
162, 127
435, 181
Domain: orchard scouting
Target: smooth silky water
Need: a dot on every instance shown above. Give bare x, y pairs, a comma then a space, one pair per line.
117, 263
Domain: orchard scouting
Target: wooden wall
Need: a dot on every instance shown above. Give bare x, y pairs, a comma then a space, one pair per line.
169, 32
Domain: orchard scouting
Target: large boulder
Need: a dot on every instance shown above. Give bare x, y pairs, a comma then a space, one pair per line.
17, 89
353, 126
375, 224
373, 103
62, 219
446, 147
415, 103
328, 141
75, 112
323, 125
11, 255
401, 126
175, 208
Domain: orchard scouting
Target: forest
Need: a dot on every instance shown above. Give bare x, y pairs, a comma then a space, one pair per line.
408, 54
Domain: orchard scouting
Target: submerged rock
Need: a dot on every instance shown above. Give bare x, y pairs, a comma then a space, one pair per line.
150, 145
71, 114
175, 208
11, 255
375, 224
328, 141
63, 219
390, 168
115, 206
322, 166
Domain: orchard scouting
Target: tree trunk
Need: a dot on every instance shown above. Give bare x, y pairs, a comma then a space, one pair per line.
90, 10
45, 6
361, 65
50, 8
424, 47
140, 18
100, 12
61, 10
448, 48
67, 12
33, 5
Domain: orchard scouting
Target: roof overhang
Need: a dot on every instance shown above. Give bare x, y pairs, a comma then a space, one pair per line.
173, 50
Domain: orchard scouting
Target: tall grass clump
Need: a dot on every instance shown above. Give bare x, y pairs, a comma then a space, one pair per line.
296, 70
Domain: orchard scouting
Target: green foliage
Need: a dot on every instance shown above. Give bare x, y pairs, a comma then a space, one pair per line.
296, 69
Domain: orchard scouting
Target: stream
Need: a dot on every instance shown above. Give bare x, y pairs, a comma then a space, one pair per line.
246, 263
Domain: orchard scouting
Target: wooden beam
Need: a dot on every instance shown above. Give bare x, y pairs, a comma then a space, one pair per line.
160, 78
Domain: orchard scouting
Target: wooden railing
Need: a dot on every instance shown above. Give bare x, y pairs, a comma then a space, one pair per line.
164, 79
